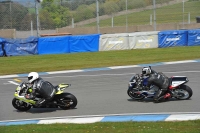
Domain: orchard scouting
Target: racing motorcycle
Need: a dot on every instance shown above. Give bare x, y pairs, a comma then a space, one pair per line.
177, 88
61, 99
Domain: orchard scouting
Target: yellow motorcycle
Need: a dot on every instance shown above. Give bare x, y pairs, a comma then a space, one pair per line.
61, 99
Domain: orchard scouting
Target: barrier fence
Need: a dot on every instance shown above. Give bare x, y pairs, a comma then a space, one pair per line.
98, 42
21, 15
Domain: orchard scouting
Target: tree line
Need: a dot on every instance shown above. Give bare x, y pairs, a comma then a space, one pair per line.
59, 13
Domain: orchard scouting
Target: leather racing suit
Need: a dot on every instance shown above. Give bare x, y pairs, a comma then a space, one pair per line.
161, 81
45, 89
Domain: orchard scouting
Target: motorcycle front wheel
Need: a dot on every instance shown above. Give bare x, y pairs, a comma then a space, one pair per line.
184, 92
133, 94
20, 105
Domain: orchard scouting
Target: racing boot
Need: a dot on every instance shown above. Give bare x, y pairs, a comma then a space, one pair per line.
159, 96
167, 96
40, 103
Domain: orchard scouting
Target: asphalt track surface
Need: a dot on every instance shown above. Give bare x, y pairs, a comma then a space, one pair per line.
104, 92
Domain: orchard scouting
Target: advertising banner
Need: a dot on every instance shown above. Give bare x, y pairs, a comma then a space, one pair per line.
15, 47
194, 37
172, 38
114, 42
140, 40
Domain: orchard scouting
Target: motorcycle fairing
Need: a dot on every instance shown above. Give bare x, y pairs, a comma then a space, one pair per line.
178, 80
61, 88
22, 98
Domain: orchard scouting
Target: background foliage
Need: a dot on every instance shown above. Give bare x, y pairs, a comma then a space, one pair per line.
53, 14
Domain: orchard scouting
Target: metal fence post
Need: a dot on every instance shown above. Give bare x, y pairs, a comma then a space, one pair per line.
126, 17
154, 13
10, 15
189, 18
37, 17
150, 19
97, 8
72, 22
112, 22
31, 28
183, 12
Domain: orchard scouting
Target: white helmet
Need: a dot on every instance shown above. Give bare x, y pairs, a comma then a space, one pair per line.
146, 71
32, 76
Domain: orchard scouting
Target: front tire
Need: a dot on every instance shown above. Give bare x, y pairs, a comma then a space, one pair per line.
185, 92
67, 101
133, 94
20, 105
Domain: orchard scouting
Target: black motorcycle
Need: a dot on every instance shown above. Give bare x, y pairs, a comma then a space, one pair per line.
177, 88
61, 99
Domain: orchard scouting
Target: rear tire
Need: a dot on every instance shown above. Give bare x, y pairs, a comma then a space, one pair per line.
20, 105
186, 92
68, 101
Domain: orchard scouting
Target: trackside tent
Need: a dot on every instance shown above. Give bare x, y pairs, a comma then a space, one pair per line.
194, 37
172, 38
139, 40
113, 42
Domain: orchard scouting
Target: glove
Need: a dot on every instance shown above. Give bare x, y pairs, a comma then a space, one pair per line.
28, 96
146, 88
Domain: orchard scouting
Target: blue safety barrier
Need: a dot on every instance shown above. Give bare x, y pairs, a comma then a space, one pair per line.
15, 47
1, 46
87, 43
193, 37
84, 43
1, 50
171, 38
68, 44
53, 45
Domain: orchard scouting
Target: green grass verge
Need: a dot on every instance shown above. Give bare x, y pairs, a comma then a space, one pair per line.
45, 63
109, 127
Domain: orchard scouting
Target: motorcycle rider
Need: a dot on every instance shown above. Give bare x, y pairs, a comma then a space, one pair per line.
158, 79
38, 85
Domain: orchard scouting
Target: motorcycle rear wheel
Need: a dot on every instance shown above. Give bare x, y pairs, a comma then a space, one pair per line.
68, 101
20, 105
132, 93
185, 92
